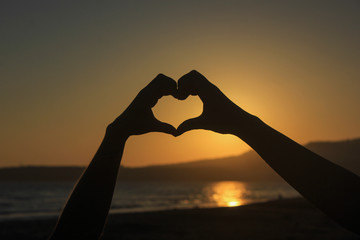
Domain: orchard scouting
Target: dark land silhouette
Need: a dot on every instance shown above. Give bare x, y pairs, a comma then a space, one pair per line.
245, 167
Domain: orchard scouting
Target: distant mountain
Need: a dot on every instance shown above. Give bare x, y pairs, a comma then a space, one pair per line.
246, 167
41, 173
344, 153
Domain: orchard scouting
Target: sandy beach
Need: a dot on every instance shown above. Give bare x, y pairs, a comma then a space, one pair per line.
280, 219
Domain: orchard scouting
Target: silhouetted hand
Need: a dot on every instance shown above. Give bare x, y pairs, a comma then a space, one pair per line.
138, 118
219, 114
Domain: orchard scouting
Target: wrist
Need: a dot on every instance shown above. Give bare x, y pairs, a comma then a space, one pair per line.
110, 147
116, 131
113, 141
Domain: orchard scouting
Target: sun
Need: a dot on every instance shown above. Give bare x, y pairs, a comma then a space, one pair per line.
233, 204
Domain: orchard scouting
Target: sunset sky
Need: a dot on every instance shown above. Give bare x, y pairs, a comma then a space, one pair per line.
69, 68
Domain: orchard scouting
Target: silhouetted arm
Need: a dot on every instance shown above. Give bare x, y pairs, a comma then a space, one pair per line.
87, 208
333, 189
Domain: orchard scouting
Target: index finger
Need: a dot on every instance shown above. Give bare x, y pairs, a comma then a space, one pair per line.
160, 86
194, 83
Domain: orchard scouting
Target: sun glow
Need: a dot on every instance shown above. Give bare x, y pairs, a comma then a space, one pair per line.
233, 203
228, 194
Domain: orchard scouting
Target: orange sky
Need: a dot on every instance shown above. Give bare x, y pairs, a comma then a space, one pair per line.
68, 69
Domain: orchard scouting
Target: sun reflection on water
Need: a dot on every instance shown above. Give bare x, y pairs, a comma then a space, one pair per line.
227, 194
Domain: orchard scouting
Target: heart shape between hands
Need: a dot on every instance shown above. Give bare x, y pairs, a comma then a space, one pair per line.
217, 115
173, 111
194, 84
189, 84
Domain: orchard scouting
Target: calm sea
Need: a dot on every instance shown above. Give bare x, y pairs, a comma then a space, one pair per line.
36, 200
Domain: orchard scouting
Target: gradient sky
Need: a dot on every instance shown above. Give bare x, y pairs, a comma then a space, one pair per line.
68, 68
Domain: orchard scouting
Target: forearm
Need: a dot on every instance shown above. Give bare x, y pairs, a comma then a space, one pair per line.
86, 211
333, 189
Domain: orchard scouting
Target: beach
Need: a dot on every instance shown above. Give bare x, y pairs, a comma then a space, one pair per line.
278, 219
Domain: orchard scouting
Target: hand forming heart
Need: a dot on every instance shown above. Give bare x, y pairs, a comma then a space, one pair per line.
219, 113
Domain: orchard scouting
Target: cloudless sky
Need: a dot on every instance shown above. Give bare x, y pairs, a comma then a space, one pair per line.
68, 68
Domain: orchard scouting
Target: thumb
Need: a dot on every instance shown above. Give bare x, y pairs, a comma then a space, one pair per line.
164, 127
190, 124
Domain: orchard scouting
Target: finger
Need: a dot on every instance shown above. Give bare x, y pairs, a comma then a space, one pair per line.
164, 127
194, 83
161, 86
190, 124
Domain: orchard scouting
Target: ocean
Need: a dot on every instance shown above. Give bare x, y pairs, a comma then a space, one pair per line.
38, 200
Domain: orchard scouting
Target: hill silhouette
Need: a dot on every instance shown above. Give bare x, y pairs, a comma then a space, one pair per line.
246, 167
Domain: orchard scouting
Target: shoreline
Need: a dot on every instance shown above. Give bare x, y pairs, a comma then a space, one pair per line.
278, 219
114, 211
